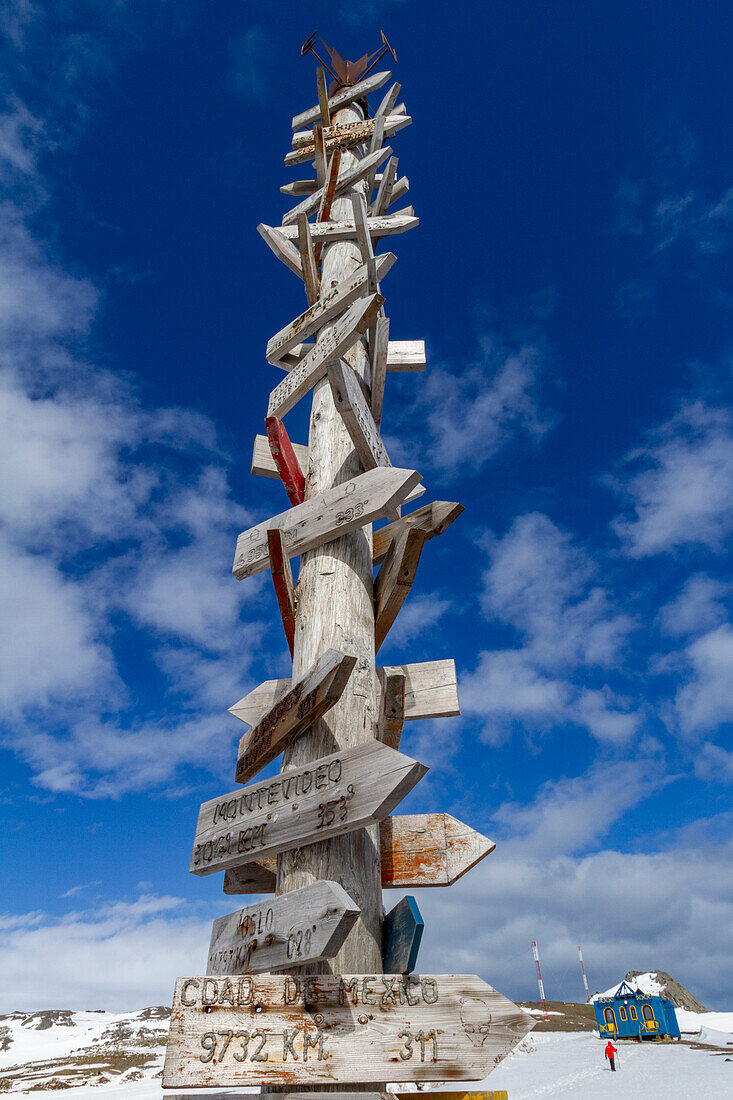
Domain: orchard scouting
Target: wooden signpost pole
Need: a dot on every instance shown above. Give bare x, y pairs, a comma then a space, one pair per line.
347, 1009
335, 609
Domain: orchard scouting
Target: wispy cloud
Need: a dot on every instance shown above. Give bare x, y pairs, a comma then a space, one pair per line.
251, 62
677, 487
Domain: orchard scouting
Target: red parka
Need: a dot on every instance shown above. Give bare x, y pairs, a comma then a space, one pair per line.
610, 1049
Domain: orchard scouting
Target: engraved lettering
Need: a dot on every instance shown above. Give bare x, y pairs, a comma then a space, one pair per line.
184, 991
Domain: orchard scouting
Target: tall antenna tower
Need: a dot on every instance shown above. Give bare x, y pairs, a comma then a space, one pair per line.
585, 980
295, 993
540, 984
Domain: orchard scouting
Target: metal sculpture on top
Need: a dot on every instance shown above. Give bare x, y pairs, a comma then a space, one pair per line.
347, 73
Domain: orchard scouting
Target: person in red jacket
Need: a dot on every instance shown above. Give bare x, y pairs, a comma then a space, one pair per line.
611, 1053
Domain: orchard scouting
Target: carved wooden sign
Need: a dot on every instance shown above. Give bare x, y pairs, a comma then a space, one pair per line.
416, 850
431, 691
346, 231
358, 420
341, 136
303, 926
314, 365
336, 794
330, 305
326, 516
342, 99
307, 700
362, 168
337, 1028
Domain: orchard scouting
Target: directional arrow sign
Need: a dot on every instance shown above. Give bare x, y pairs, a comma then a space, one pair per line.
326, 516
307, 701
416, 850
346, 231
355, 413
401, 934
431, 691
333, 345
330, 305
362, 168
337, 1029
342, 99
342, 137
336, 794
303, 926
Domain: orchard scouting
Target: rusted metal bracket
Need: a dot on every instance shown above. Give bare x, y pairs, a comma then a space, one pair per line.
346, 73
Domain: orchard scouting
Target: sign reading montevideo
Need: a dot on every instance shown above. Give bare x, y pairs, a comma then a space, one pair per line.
339, 793
326, 1029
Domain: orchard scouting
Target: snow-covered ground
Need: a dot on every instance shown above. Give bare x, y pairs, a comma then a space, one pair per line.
120, 1056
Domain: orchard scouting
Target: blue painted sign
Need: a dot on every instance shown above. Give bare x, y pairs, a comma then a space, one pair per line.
401, 934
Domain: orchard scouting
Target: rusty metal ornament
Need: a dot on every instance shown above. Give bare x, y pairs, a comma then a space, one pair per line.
346, 73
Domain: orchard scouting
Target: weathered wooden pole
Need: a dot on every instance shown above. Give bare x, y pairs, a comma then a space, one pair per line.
335, 609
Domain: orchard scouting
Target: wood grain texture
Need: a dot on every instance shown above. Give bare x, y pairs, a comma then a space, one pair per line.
432, 519
431, 691
325, 113
328, 306
341, 135
325, 517
380, 365
416, 851
340, 338
282, 579
395, 579
352, 405
406, 355
359, 172
382, 200
345, 230
342, 99
263, 462
337, 1029
385, 107
284, 249
430, 849
326, 798
285, 459
309, 698
308, 262
391, 705
304, 926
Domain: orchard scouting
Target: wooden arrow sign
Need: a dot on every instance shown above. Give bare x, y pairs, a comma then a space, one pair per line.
263, 461
283, 583
431, 691
358, 420
339, 793
305, 703
342, 99
346, 231
326, 516
361, 169
394, 580
432, 519
303, 926
417, 850
285, 459
342, 136
333, 345
401, 935
317, 315
337, 1029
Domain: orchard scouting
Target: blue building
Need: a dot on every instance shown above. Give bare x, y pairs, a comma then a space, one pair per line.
633, 1015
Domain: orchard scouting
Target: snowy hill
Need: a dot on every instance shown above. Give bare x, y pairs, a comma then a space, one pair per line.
59, 1048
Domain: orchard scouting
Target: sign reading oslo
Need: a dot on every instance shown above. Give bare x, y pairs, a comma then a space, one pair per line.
334, 1028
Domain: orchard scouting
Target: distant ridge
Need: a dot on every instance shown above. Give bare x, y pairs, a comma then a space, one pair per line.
666, 986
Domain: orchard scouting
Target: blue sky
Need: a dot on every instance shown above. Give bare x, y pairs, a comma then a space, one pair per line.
571, 167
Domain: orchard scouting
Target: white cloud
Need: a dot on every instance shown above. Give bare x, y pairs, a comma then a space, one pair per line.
678, 486
706, 700
124, 955
698, 606
472, 415
117, 522
539, 581
418, 616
